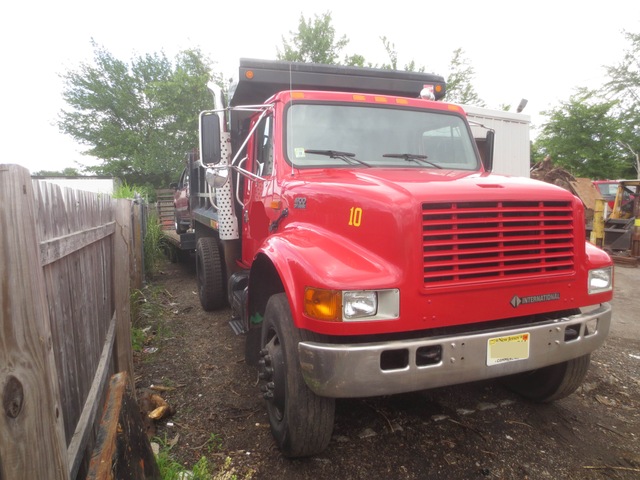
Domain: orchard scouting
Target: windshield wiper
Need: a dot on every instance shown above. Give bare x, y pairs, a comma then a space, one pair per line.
412, 157
346, 156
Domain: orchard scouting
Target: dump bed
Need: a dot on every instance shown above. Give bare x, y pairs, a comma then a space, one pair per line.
269, 77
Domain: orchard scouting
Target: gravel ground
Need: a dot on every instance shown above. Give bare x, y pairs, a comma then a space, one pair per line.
478, 430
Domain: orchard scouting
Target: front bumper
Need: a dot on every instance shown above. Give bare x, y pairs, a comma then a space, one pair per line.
355, 370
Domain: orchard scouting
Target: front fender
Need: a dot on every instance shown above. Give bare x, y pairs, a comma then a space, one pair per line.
317, 257
596, 257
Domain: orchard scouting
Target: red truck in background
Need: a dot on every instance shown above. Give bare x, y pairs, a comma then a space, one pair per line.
350, 219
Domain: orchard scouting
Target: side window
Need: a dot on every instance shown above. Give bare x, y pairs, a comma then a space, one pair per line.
264, 147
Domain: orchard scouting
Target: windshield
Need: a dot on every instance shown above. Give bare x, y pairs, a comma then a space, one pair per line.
370, 136
608, 190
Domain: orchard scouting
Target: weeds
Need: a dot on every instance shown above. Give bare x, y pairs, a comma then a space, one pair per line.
138, 339
203, 469
214, 443
153, 244
152, 241
148, 308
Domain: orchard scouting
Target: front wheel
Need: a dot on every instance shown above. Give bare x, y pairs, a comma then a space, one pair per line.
550, 383
301, 422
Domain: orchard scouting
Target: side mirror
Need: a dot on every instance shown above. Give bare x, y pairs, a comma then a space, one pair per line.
210, 149
217, 178
487, 158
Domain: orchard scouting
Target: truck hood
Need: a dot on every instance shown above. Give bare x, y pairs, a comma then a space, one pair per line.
405, 185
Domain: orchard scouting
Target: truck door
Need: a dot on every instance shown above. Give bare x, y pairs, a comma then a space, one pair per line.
257, 213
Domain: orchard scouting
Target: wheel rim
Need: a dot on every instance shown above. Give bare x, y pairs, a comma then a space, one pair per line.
273, 371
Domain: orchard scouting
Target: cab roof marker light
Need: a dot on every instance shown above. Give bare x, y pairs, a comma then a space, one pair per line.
427, 92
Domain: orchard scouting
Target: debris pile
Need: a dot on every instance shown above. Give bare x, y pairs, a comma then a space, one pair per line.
583, 188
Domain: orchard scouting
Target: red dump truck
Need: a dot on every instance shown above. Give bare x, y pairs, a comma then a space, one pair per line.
350, 219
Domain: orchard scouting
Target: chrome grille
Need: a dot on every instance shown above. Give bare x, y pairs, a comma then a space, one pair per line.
470, 242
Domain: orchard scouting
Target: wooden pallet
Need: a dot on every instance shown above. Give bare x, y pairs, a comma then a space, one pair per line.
164, 206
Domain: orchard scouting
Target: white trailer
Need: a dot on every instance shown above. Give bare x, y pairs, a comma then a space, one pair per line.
511, 150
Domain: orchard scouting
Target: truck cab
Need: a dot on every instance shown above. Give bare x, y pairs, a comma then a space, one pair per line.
367, 249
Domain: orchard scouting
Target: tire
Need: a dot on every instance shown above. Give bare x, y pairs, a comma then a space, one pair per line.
301, 422
252, 346
210, 274
550, 383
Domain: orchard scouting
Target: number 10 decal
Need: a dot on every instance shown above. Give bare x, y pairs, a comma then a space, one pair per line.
355, 216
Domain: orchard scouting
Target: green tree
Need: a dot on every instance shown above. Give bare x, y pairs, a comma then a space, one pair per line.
138, 118
67, 172
460, 78
624, 85
316, 42
390, 48
582, 135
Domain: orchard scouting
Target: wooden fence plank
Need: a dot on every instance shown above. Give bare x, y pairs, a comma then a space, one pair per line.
31, 416
57, 248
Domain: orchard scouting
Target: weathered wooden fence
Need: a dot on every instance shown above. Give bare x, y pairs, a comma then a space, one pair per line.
65, 328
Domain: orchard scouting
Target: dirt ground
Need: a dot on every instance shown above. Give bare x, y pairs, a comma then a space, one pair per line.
478, 430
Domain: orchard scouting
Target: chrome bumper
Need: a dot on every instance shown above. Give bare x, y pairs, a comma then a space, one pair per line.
354, 370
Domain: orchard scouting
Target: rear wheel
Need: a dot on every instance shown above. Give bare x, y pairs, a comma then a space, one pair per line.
301, 422
210, 274
550, 383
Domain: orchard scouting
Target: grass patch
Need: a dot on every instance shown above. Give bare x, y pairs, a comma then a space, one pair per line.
153, 244
203, 469
148, 309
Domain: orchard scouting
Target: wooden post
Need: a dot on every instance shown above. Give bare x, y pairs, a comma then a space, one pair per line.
32, 439
137, 247
123, 450
122, 280
597, 234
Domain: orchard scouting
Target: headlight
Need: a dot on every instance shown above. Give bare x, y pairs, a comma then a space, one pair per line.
359, 304
600, 280
351, 305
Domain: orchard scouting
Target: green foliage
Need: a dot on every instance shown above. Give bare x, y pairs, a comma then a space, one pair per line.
203, 469
147, 305
624, 86
140, 118
214, 443
124, 190
138, 338
460, 87
315, 42
67, 172
597, 134
153, 235
390, 48
153, 244
581, 136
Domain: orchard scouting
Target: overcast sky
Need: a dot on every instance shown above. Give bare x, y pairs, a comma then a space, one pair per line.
539, 50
